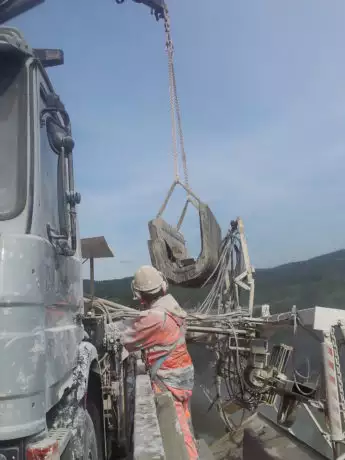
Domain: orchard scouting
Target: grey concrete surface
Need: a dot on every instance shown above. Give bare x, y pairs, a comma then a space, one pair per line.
204, 450
148, 444
173, 440
264, 441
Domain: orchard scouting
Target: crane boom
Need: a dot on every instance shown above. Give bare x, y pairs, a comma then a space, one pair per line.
10, 9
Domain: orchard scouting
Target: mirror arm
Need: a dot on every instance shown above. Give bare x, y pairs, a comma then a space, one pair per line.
59, 242
63, 113
65, 243
71, 198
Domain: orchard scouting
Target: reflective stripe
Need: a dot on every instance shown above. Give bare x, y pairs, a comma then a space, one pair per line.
179, 341
155, 367
166, 348
160, 361
178, 370
182, 378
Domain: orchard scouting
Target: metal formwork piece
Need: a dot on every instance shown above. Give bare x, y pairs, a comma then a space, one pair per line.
169, 254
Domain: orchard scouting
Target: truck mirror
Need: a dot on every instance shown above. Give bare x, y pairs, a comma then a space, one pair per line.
54, 105
53, 101
58, 139
62, 143
49, 57
10, 9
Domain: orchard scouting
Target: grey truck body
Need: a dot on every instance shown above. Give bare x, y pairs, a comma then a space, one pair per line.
41, 296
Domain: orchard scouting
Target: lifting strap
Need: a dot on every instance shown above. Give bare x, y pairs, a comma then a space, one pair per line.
158, 364
179, 341
176, 131
167, 245
175, 107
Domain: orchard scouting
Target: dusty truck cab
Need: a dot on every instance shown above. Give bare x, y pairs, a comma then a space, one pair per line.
66, 384
41, 298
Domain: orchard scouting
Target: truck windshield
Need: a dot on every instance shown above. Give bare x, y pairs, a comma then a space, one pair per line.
13, 135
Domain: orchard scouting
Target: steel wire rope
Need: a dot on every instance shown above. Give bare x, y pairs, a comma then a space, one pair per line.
175, 105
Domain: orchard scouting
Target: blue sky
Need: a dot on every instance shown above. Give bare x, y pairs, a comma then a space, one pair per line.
262, 91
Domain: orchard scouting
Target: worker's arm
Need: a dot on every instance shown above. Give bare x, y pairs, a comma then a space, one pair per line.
144, 331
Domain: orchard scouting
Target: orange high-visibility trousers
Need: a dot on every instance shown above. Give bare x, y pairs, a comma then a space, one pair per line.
182, 401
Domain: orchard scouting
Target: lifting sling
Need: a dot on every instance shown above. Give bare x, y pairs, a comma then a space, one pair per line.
167, 245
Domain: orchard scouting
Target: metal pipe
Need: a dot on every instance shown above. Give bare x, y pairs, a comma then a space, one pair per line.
117, 306
332, 391
72, 202
216, 330
92, 278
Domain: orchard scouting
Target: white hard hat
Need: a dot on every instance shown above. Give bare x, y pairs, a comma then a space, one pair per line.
148, 279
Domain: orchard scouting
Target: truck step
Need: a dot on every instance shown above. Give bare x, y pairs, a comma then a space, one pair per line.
62, 436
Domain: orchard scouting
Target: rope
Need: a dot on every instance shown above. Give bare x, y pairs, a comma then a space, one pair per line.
175, 105
173, 119
179, 125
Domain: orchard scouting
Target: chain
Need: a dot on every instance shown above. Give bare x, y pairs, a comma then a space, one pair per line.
338, 370
174, 104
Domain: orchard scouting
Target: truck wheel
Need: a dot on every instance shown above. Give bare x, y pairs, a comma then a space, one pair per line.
93, 412
90, 440
83, 445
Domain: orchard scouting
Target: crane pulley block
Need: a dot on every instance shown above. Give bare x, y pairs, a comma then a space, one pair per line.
157, 6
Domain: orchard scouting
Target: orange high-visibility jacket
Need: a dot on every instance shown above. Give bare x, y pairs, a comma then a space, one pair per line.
160, 331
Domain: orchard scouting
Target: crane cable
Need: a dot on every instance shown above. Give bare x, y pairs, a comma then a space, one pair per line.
174, 105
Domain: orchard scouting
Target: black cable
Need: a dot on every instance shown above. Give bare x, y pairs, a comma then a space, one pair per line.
294, 370
310, 331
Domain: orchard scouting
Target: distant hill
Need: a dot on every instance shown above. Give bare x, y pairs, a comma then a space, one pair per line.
317, 281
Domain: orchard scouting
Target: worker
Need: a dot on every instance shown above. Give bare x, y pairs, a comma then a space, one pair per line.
159, 331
